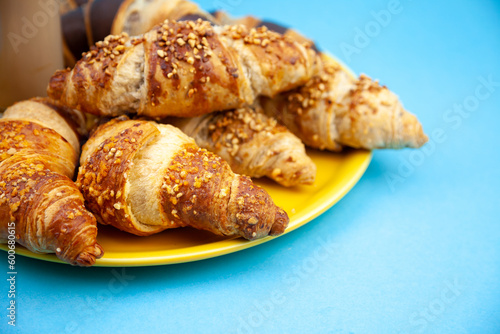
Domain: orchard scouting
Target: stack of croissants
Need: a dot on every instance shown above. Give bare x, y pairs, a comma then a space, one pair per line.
177, 109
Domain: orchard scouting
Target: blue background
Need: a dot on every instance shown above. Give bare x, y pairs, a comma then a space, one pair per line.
413, 248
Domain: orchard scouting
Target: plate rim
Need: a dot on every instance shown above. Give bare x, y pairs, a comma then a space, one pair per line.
226, 246
217, 248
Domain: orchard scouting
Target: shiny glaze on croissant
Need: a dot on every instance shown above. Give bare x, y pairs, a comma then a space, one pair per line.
183, 69
38, 200
143, 177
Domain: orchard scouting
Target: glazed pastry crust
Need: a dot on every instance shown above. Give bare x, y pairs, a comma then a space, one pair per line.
143, 177
37, 195
183, 69
20, 137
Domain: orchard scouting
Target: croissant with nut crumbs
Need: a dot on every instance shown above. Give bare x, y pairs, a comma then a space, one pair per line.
253, 144
334, 109
183, 69
143, 177
39, 203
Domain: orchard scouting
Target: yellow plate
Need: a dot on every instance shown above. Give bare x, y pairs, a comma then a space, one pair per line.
337, 174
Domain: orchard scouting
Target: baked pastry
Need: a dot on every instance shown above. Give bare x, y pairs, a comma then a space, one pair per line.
87, 22
183, 69
39, 203
253, 144
143, 177
331, 123
334, 109
138, 16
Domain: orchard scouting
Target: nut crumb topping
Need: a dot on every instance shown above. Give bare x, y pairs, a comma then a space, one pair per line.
184, 41
233, 129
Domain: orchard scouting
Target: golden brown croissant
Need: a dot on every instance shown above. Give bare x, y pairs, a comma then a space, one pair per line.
253, 144
38, 200
334, 109
143, 177
183, 69
318, 126
258, 147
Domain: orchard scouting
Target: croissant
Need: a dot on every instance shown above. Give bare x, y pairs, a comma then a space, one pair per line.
253, 144
334, 110
183, 69
39, 204
143, 177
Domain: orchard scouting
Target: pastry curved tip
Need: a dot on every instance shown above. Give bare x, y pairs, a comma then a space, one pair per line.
300, 177
413, 135
280, 223
306, 175
89, 255
277, 227
298, 169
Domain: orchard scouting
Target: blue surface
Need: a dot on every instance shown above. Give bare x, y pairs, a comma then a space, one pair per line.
413, 248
